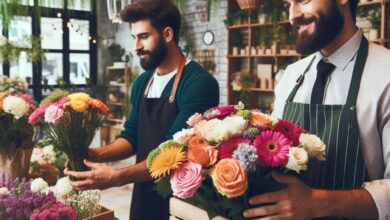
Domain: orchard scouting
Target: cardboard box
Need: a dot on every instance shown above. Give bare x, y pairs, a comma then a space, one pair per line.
184, 211
105, 214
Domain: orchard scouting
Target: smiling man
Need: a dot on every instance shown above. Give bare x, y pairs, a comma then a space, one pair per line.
341, 92
163, 98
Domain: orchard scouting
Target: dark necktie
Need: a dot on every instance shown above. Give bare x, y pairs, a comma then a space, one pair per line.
323, 72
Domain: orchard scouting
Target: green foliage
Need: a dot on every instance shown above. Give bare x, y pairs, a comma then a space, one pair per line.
14, 133
117, 52
10, 52
246, 114
56, 95
374, 18
163, 186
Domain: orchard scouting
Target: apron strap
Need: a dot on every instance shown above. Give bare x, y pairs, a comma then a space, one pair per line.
299, 81
175, 84
357, 73
177, 79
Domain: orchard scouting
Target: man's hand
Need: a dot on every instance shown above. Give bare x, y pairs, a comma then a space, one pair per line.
100, 176
293, 202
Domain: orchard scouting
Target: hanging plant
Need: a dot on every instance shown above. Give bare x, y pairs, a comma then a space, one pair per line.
10, 52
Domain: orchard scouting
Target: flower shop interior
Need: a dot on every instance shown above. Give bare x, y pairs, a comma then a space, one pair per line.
59, 56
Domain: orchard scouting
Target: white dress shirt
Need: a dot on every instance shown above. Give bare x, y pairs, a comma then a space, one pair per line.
373, 106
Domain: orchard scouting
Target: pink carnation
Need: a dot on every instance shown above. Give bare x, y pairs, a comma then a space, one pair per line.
186, 180
227, 149
56, 211
273, 148
34, 117
219, 112
60, 103
53, 114
195, 118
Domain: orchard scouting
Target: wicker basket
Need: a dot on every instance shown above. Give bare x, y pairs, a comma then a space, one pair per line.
248, 4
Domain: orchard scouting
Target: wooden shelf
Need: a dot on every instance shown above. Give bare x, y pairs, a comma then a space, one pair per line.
265, 55
113, 83
376, 2
261, 90
284, 22
115, 103
117, 68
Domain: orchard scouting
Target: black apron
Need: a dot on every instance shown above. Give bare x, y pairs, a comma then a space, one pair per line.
337, 126
155, 117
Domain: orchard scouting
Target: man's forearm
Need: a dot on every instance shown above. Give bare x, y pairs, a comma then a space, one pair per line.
356, 203
118, 150
134, 174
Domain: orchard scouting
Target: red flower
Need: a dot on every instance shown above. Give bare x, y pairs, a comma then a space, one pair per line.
227, 149
219, 112
290, 130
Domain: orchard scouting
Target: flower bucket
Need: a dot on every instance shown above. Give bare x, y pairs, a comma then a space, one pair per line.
248, 4
47, 172
16, 162
105, 214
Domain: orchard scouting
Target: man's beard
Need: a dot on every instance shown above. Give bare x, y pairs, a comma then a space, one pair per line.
154, 58
326, 28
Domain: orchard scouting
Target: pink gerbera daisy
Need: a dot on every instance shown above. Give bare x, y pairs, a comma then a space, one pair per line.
273, 148
227, 149
290, 130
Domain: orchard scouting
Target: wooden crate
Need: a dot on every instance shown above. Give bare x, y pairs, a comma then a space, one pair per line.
105, 214
182, 210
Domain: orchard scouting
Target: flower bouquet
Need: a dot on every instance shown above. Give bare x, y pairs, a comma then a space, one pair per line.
15, 133
70, 121
227, 155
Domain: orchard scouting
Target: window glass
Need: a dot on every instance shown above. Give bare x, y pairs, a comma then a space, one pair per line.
52, 68
78, 34
19, 29
81, 5
22, 68
51, 3
79, 68
51, 33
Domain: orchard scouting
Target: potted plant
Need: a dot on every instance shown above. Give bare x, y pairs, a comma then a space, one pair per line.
375, 20
117, 53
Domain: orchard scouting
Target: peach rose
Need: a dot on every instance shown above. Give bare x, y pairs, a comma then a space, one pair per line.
195, 118
229, 178
259, 119
205, 155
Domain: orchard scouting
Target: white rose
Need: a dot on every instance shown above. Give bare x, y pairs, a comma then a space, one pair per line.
36, 155
3, 40
298, 159
313, 145
4, 191
230, 127
184, 135
38, 185
16, 106
63, 187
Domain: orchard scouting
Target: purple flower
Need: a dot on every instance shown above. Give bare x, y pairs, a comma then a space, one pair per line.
247, 155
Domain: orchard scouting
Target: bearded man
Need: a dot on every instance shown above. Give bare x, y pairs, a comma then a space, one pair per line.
163, 98
340, 92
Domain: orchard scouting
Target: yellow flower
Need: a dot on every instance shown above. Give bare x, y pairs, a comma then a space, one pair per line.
79, 101
78, 105
168, 160
80, 96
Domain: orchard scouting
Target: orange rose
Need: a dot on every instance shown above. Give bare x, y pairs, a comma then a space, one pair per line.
229, 178
206, 155
95, 103
259, 119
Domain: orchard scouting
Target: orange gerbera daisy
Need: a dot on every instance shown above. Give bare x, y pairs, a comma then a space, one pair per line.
166, 161
95, 103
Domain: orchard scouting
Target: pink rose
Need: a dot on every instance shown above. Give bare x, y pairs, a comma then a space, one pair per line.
53, 114
186, 180
195, 118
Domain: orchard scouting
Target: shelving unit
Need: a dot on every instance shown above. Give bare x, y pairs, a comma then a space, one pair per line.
246, 56
118, 80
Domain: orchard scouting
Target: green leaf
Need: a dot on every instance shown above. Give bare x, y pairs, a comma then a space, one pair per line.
163, 186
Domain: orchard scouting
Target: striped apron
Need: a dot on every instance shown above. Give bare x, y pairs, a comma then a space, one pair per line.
337, 126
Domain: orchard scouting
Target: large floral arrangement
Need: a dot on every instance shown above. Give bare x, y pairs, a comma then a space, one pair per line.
18, 201
226, 155
15, 108
70, 122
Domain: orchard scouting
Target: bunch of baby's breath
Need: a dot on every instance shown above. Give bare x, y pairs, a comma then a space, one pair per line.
85, 203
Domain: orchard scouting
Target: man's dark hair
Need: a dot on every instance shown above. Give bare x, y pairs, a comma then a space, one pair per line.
161, 13
352, 6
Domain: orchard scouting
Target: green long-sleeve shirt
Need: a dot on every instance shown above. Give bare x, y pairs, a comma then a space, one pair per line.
197, 91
